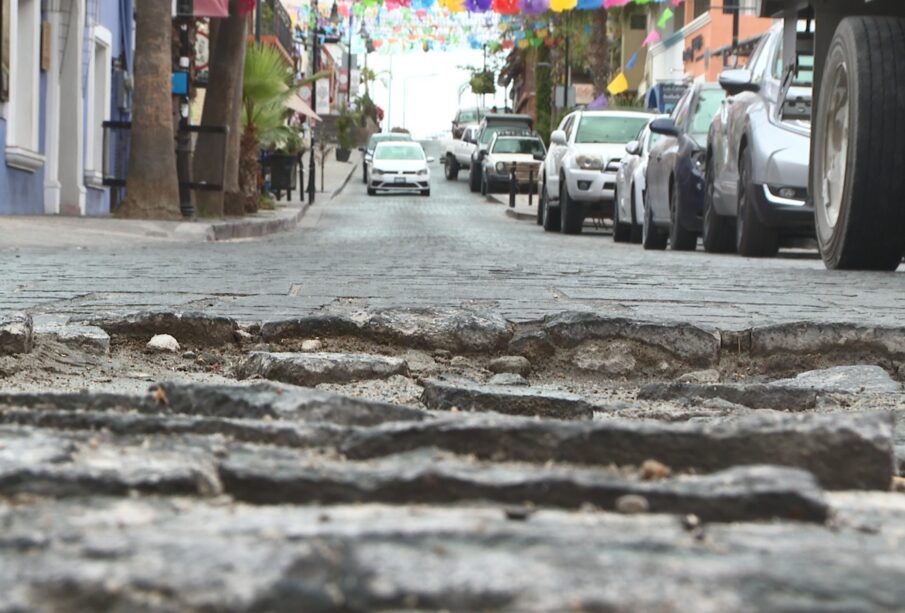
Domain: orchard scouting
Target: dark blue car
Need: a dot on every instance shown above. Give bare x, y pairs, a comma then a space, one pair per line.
674, 198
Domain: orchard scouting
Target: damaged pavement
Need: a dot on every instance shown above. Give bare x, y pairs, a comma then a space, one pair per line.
413, 459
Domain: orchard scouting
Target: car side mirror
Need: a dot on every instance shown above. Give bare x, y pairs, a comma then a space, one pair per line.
558, 137
539, 157
633, 148
431, 160
665, 126
738, 80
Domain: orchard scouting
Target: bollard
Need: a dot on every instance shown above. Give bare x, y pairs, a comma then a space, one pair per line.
530, 187
512, 186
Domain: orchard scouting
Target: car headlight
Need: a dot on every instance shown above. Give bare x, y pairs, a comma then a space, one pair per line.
376, 172
422, 172
699, 159
588, 162
501, 167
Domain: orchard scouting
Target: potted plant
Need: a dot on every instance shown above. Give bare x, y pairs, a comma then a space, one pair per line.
345, 134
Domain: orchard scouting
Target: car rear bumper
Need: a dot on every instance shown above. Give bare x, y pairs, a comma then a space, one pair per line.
400, 183
790, 216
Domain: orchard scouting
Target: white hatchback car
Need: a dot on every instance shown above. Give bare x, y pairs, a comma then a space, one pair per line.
399, 166
628, 212
579, 173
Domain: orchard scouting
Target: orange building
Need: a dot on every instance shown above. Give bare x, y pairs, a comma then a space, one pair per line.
708, 34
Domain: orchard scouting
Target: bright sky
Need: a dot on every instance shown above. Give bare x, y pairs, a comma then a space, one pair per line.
425, 88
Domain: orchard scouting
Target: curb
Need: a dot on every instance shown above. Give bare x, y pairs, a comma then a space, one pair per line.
339, 189
520, 216
251, 228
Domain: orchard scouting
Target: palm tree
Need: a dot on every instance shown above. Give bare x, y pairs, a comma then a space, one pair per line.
152, 187
265, 87
222, 102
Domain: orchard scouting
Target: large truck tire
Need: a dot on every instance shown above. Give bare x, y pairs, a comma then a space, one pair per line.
859, 147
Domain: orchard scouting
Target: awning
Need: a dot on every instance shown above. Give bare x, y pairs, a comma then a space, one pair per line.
295, 103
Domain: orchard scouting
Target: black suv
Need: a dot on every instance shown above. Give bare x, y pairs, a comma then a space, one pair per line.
490, 125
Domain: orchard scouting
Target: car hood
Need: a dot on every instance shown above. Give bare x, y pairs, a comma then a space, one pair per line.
608, 151
399, 165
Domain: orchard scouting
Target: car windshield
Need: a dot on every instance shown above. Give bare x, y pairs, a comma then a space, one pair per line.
609, 129
380, 138
490, 131
708, 104
398, 152
804, 76
527, 146
471, 116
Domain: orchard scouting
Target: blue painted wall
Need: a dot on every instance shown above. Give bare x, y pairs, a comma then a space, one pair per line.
22, 192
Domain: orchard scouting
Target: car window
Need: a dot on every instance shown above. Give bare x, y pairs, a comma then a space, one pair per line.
490, 131
472, 116
706, 107
398, 152
570, 121
680, 113
380, 138
760, 60
609, 128
526, 146
804, 75
652, 139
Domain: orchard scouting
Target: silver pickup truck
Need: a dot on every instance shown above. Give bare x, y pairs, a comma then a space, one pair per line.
857, 170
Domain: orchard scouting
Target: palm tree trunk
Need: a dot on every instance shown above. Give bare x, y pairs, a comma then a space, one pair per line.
234, 202
249, 170
226, 63
599, 52
152, 187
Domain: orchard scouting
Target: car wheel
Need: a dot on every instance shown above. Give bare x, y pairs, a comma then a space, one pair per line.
635, 234
474, 178
452, 168
551, 214
680, 239
752, 238
571, 219
540, 206
621, 231
484, 184
652, 239
718, 235
372, 191
858, 145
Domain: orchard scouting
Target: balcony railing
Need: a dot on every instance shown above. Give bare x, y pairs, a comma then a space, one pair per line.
275, 22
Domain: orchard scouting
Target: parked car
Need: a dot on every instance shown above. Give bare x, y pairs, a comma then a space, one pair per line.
630, 187
490, 125
508, 149
466, 118
368, 152
578, 178
758, 155
458, 152
674, 201
399, 166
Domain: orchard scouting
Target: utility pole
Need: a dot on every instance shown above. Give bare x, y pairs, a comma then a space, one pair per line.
349, 67
568, 67
314, 69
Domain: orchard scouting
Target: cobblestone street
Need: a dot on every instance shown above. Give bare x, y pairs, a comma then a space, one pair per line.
413, 403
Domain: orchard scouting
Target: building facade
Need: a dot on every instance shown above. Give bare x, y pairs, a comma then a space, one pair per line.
65, 71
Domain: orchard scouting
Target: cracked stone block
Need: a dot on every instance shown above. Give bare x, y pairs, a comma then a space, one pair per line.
843, 451
198, 329
850, 379
532, 344
689, 343
444, 395
89, 339
508, 378
16, 334
310, 369
746, 493
828, 339
754, 396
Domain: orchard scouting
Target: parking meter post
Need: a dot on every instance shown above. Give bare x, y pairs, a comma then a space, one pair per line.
512, 186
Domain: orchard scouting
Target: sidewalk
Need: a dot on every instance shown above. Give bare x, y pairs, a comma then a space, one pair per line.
59, 231
521, 211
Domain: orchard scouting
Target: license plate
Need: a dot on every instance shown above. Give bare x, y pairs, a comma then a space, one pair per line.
399, 180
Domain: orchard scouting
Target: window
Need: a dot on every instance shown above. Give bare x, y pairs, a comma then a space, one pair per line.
398, 152
98, 106
700, 7
804, 75
567, 128
707, 106
22, 117
638, 22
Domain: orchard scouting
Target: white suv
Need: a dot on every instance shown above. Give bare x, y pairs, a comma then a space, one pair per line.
579, 172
